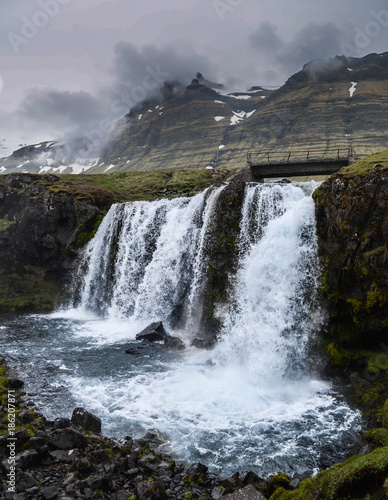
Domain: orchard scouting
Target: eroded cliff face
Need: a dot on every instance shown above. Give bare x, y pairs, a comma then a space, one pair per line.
43, 224
352, 217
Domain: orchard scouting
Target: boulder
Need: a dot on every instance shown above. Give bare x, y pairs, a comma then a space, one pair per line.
68, 439
153, 333
174, 344
86, 420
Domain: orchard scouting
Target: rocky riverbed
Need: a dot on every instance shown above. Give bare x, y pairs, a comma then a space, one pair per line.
70, 458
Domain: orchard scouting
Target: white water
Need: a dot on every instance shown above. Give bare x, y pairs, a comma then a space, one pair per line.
159, 265
250, 403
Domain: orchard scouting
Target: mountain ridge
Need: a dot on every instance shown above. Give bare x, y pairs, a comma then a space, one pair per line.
330, 103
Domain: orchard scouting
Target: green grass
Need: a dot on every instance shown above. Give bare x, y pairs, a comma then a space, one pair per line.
133, 186
354, 479
364, 165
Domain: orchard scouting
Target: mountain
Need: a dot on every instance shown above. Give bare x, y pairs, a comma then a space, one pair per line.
328, 104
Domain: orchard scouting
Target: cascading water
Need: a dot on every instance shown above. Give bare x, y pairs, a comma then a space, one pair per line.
158, 266
250, 403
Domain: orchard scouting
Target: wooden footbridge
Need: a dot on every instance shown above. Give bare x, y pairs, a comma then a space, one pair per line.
297, 163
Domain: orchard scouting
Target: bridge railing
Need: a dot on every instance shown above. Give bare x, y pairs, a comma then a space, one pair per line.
259, 157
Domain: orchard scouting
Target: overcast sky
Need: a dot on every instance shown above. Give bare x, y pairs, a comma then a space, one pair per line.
66, 65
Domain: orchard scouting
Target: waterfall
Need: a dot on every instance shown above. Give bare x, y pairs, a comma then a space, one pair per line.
146, 260
267, 327
250, 403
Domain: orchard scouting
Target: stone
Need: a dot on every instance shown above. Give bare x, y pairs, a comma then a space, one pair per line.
153, 333
203, 343
217, 493
62, 423
174, 344
50, 493
86, 420
67, 439
15, 383
24, 417
65, 456
247, 493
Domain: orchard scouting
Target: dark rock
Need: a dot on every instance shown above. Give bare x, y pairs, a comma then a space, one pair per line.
86, 420
203, 343
15, 383
62, 423
101, 483
174, 344
153, 333
249, 477
25, 417
50, 493
151, 491
352, 222
36, 442
25, 481
68, 439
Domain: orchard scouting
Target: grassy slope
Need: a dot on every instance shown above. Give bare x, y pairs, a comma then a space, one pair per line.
132, 186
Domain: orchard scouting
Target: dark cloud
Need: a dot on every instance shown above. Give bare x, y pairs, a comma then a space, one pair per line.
266, 39
314, 41
86, 121
143, 71
61, 108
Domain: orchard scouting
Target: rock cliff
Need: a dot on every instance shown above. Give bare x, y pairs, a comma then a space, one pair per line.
352, 216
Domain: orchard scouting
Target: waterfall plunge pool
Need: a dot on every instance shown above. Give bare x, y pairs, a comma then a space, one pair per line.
250, 403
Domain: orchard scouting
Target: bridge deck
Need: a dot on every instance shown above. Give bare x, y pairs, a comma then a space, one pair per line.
271, 164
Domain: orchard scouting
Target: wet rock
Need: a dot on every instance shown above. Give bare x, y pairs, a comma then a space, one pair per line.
153, 333
174, 344
15, 383
62, 423
139, 349
203, 343
249, 477
86, 420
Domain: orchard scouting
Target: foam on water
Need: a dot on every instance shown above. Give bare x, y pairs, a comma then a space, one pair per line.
250, 403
